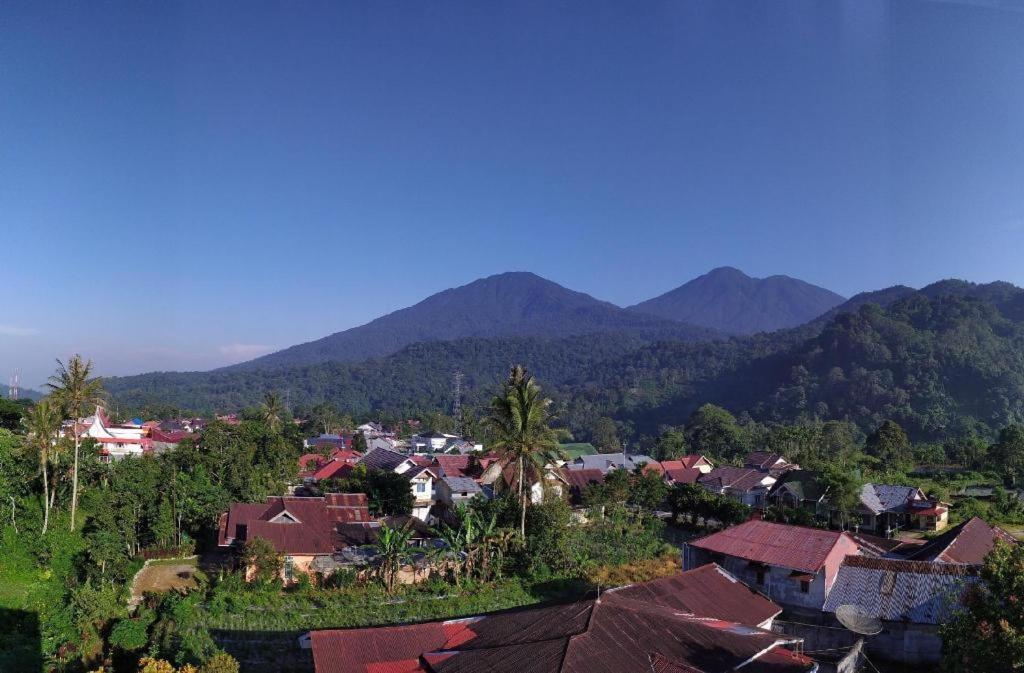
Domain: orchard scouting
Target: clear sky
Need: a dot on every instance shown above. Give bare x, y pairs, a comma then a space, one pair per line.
187, 184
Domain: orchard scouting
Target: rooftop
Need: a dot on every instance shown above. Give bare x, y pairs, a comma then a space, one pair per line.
968, 542
895, 590
626, 631
794, 547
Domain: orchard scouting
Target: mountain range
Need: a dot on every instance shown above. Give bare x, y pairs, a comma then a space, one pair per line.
948, 357
720, 303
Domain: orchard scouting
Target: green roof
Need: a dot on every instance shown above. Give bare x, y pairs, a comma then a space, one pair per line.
575, 450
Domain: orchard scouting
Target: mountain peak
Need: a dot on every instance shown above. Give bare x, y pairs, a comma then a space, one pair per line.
727, 299
513, 303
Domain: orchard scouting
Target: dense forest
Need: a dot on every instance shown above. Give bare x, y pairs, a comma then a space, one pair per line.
946, 360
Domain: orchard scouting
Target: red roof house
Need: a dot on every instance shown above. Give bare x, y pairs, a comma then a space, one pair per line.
794, 565
632, 630
302, 529
968, 543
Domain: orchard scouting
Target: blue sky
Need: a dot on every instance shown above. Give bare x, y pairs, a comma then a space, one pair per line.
184, 185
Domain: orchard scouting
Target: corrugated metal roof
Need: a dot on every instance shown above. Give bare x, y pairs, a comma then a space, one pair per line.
794, 547
616, 634
968, 543
895, 590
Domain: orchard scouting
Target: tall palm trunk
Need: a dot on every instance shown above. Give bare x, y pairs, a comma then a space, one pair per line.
74, 477
522, 502
46, 498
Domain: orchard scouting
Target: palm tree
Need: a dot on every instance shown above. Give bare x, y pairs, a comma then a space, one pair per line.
393, 547
271, 410
520, 422
75, 390
43, 424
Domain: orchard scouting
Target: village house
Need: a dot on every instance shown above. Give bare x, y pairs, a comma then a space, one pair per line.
431, 442
423, 481
967, 543
115, 441
310, 533
793, 565
387, 460
328, 441
800, 489
912, 599
885, 509
702, 621
766, 461
609, 461
747, 485
455, 491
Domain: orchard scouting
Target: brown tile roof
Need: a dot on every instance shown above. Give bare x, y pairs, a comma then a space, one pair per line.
682, 475
794, 547
762, 460
296, 525
968, 543
615, 634
691, 460
739, 478
455, 466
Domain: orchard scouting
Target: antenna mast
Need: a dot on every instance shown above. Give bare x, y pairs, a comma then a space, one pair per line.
15, 388
457, 406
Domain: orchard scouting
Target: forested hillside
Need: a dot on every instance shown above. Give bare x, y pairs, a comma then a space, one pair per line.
947, 359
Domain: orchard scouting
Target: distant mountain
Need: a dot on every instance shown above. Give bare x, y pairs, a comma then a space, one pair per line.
729, 300
942, 361
504, 305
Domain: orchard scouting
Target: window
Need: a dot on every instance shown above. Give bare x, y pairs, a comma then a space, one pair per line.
289, 568
805, 586
421, 487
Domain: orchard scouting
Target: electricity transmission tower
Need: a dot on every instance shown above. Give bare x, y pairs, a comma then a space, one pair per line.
15, 388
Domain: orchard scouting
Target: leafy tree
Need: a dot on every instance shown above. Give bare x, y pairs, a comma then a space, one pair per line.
11, 414
843, 486
221, 662
987, 636
670, 445
75, 389
605, 435
261, 556
647, 490
1009, 452
520, 422
324, 417
359, 442
889, 444
713, 430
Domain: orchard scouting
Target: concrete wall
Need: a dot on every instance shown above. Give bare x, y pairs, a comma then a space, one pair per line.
915, 644
778, 585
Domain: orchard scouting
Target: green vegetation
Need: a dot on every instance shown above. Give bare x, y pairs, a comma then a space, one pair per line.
987, 636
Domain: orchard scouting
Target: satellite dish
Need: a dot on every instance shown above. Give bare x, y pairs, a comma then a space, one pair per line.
854, 618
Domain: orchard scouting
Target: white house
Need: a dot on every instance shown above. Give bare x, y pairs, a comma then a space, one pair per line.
115, 441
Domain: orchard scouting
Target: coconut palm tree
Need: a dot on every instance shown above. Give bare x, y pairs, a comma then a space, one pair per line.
43, 424
272, 410
75, 389
520, 420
